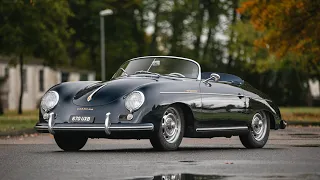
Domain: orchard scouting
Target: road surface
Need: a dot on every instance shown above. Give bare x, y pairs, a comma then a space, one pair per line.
293, 153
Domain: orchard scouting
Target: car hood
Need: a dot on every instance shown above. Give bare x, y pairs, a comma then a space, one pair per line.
102, 93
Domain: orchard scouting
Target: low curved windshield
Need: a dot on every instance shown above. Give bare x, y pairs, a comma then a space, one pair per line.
159, 66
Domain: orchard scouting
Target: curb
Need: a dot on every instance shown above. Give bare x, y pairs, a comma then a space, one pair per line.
304, 124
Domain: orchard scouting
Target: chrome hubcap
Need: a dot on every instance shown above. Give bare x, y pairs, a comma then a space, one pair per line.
171, 125
259, 126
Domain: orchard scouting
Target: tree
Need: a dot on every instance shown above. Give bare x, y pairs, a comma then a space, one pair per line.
288, 27
35, 28
124, 32
284, 77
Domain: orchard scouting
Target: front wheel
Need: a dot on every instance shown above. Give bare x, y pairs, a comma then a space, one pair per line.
70, 142
258, 131
169, 132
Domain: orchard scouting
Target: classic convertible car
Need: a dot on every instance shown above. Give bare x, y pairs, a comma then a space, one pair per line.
161, 98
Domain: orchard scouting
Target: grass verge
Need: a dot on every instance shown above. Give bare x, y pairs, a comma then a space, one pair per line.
305, 116
13, 124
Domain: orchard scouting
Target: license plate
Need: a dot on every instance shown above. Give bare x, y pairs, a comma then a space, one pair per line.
81, 119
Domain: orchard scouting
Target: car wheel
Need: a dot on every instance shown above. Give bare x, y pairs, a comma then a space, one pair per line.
70, 142
258, 131
169, 132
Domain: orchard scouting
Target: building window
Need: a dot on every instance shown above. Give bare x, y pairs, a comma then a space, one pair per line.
24, 79
83, 77
41, 81
64, 76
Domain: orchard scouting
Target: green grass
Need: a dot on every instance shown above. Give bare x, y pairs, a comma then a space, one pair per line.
301, 114
12, 122
314, 110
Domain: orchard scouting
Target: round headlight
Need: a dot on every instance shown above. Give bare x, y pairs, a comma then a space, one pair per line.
49, 100
134, 100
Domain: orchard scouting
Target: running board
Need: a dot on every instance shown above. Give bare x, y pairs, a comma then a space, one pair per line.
238, 128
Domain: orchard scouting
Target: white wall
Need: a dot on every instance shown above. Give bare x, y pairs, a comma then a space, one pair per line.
74, 77
32, 95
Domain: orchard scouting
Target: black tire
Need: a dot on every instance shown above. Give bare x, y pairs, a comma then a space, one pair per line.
70, 142
250, 140
158, 140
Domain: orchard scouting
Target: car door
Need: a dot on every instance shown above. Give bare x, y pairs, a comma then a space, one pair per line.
223, 105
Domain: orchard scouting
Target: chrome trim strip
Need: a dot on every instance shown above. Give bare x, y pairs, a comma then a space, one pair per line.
202, 93
222, 129
179, 93
128, 128
51, 123
107, 124
102, 128
78, 127
173, 57
90, 96
41, 127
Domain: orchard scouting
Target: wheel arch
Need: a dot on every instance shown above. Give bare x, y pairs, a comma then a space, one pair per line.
188, 117
271, 118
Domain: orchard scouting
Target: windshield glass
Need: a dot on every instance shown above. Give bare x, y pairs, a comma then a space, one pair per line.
160, 66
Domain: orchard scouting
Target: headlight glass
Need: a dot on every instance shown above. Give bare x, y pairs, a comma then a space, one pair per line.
134, 100
49, 100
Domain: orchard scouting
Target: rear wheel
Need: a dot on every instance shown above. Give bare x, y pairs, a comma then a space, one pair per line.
258, 131
169, 132
70, 142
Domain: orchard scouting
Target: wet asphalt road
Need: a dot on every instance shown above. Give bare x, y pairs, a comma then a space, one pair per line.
293, 153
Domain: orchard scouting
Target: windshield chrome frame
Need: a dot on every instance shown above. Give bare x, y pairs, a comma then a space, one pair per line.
172, 57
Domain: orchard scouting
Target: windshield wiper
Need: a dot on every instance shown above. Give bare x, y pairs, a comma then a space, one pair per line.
146, 72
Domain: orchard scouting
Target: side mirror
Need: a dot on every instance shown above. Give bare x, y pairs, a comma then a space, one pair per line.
213, 76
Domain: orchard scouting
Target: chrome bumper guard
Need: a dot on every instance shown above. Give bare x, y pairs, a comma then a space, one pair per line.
283, 124
51, 127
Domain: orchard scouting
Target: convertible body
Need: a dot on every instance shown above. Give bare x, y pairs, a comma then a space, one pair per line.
161, 98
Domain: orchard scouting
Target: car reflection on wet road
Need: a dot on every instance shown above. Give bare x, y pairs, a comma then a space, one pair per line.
218, 177
290, 154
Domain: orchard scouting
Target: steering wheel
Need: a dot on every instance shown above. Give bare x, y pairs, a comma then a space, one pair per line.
177, 74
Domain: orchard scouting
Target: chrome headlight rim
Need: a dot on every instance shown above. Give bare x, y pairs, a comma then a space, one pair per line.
44, 107
132, 109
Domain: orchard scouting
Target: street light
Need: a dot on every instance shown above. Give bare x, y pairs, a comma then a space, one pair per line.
103, 60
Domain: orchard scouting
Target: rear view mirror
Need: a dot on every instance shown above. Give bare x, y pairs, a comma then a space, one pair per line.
156, 63
213, 76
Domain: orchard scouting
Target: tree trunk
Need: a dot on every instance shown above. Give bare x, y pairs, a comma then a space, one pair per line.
1, 107
206, 47
177, 28
233, 22
21, 83
200, 20
138, 34
153, 45
2, 80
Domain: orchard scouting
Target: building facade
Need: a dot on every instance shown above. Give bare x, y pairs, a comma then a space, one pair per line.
37, 80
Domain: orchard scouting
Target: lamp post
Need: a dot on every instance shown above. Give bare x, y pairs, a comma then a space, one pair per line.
103, 58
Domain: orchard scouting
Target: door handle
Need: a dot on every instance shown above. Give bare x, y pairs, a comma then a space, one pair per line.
240, 95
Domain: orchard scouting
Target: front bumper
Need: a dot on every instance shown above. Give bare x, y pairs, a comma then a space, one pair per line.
107, 127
